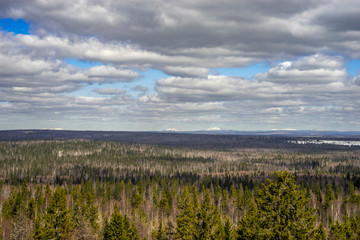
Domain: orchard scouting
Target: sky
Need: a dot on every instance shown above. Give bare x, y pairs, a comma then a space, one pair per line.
153, 65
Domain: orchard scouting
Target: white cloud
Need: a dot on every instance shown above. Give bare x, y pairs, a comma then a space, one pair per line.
110, 74
316, 69
184, 39
214, 88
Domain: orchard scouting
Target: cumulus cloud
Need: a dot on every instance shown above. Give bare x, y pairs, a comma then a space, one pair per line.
260, 28
310, 70
110, 74
357, 80
185, 71
185, 40
214, 88
309, 86
18, 67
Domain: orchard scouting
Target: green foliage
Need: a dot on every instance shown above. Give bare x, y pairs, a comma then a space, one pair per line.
57, 220
185, 220
119, 227
320, 233
13, 206
228, 232
329, 195
206, 219
136, 200
39, 233
160, 233
282, 211
317, 192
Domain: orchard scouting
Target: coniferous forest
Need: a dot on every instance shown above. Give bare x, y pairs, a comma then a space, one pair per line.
86, 189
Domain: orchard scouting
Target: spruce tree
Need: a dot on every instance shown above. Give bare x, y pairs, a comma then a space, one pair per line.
57, 219
159, 234
119, 228
228, 233
281, 211
186, 216
320, 233
38, 233
207, 218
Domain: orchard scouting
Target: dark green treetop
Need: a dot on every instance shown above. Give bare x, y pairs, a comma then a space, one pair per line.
281, 211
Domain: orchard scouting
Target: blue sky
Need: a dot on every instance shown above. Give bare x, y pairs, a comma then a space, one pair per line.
122, 66
17, 26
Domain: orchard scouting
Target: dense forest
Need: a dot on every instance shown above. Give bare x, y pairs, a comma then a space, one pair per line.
92, 189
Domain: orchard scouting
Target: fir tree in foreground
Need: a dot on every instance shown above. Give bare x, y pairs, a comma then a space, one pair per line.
281, 210
185, 220
119, 228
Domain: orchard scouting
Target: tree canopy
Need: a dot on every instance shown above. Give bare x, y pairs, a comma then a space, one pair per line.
280, 210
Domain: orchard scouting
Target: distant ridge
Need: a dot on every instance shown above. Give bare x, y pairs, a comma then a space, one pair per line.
301, 133
219, 139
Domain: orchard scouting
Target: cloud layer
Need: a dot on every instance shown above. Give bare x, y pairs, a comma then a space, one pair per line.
305, 43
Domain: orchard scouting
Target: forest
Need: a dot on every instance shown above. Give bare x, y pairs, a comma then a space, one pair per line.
106, 189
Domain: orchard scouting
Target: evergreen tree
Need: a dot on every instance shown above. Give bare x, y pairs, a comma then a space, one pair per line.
249, 225
228, 233
282, 211
13, 206
31, 209
329, 195
185, 219
38, 233
170, 231
337, 231
317, 192
115, 228
57, 219
320, 233
91, 211
159, 234
119, 228
207, 218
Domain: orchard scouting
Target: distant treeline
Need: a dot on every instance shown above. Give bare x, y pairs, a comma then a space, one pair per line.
199, 141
